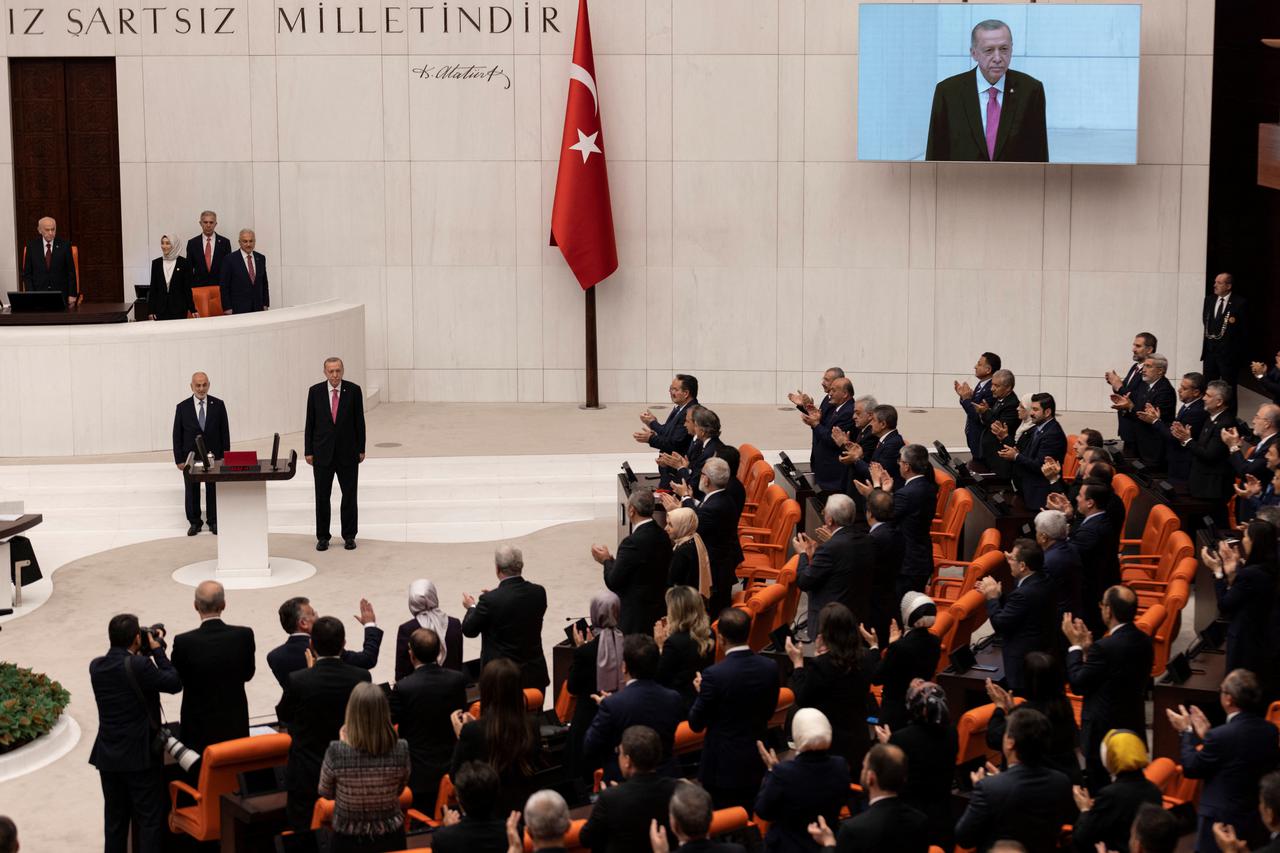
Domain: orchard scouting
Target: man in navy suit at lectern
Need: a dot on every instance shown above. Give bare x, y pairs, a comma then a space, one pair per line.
200, 414
333, 442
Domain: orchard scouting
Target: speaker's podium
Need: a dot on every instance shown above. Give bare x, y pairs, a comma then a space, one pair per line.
243, 560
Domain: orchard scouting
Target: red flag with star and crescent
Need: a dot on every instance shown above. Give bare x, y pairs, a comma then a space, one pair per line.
581, 216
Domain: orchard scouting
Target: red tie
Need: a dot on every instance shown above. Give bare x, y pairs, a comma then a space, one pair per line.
333, 406
48, 256
252, 275
208, 253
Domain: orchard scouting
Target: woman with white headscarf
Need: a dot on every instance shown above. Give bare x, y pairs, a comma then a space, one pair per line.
797, 791
690, 565
911, 654
424, 608
169, 297
596, 668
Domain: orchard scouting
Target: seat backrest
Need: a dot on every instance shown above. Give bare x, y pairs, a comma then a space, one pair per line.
1178, 548
728, 820
943, 626
970, 613
759, 476
946, 485
1071, 462
763, 607
221, 762
953, 522
1149, 621
566, 702
748, 456
1125, 486
532, 702
208, 300
982, 566
1175, 596
791, 601
1185, 569
770, 505
1161, 524
989, 541
1273, 713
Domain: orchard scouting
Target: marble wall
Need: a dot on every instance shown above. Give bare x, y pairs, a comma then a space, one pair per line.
755, 250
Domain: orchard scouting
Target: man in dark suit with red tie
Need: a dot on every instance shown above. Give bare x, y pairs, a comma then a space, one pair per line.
1190, 414
206, 250
333, 442
48, 264
1144, 344
670, 436
201, 414
243, 278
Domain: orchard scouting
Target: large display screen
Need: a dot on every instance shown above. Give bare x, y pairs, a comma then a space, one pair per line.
1035, 83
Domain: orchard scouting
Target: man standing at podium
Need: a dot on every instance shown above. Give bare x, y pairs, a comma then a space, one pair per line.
334, 444
200, 414
48, 264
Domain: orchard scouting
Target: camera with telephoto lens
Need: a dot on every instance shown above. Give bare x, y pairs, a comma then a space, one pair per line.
152, 636
184, 755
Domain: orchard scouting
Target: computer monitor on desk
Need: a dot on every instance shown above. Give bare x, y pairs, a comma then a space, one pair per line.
36, 301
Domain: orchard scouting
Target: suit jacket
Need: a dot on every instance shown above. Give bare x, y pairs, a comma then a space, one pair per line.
1113, 811
1005, 410
955, 124
314, 707
1150, 442
913, 507
452, 643
172, 300
1129, 387
1248, 602
638, 575
671, 437
888, 543
619, 820
886, 453
643, 702
215, 661
841, 695
59, 275
1048, 439
291, 655
1270, 382
1229, 331
699, 453
1231, 760
718, 527
679, 663
736, 701
123, 742
186, 426
1112, 679
1062, 566
915, 655
824, 458
972, 420
708, 846
931, 761
202, 276
471, 835
334, 443
240, 295
421, 705
1256, 464
1024, 803
1177, 457
795, 792
839, 571
1024, 619
1095, 541
508, 621
1211, 475
889, 824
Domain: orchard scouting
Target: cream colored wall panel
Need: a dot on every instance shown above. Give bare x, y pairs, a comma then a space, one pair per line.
471, 319
627, 198
658, 26
920, 391
131, 111
726, 26
834, 299
400, 312
396, 109
856, 215
563, 313
659, 213
791, 26
398, 218
1160, 102
830, 108
530, 235
1057, 217
658, 319
726, 108
659, 104
788, 382
658, 381
1108, 308
1196, 108
989, 309
262, 82
1055, 306
1124, 219
726, 214
262, 28
739, 386
615, 27
464, 386
336, 211
890, 388
326, 112
791, 108
831, 26
981, 230
138, 244
622, 108
621, 325
621, 386
922, 215
790, 214
717, 304
529, 386
177, 192
1195, 219
1200, 18
789, 307
402, 385
527, 94
266, 211
921, 304
1164, 27
1185, 355
529, 317
464, 214
215, 128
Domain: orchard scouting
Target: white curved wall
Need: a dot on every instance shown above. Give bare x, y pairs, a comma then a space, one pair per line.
77, 390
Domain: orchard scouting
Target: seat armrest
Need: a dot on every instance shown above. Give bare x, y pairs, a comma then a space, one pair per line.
178, 786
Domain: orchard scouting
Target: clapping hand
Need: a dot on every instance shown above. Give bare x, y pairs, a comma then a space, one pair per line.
1051, 470
802, 544
999, 697
963, 390
647, 418
1084, 802
468, 601
868, 637
1257, 368
982, 408
1000, 430
1251, 487
599, 698
1076, 632
881, 477
811, 419
669, 502
600, 553
659, 632
1059, 501
515, 844
839, 436
681, 489
1211, 559
578, 639
1230, 558
451, 817
1179, 431
818, 831
1121, 402
1149, 414
697, 682
883, 734
309, 656
1231, 438
895, 631
1113, 379
768, 756
983, 772
1007, 452
794, 652
988, 586
459, 719
658, 838
643, 435
821, 533
852, 453
1225, 835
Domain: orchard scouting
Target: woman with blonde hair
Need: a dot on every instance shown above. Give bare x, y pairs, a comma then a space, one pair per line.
364, 772
690, 565
684, 639
1107, 817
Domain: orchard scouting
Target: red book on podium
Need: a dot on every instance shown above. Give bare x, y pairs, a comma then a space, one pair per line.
240, 460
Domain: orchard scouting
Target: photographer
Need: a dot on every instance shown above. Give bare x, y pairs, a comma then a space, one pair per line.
127, 682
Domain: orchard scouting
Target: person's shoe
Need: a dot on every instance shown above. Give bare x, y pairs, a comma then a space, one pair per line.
322, 545
213, 528
193, 530
349, 545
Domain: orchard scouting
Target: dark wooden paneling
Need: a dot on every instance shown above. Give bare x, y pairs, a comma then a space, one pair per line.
66, 154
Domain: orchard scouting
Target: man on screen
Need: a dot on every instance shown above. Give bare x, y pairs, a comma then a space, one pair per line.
990, 112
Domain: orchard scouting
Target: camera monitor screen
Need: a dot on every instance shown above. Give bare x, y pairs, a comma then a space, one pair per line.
1034, 83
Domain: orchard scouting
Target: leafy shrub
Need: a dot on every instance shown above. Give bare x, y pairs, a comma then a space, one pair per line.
30, 704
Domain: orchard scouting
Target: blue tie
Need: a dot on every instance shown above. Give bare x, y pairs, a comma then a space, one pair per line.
200, 415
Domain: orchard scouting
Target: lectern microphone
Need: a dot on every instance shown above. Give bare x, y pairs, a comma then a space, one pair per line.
203, 451
275, 452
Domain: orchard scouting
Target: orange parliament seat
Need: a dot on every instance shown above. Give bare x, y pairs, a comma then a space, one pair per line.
971, 732
970, 614
1070, 462
75, 262
770, 503
763, 606
764, 553
208, 300
1155, 592
1127, 489
322, 812
566, 702
946, 537
1149, 621
1155, 576
946, 485
532, 702
572, 838
1273, 713
759, 477
219, 766
943, 626
953, 579
1162, 522
748, 456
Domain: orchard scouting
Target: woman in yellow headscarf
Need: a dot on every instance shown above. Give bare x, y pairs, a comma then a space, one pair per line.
1107, 817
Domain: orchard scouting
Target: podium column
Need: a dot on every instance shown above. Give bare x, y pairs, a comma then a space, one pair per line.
242, 525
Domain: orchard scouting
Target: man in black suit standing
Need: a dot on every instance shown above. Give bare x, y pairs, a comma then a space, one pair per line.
1222, 350
989, 112
49, 264
1266, 426
1061, 565
1153, 391
977, 394
206, 415
690, 821
297, 618
127, 683
672, 435
1045, 440
736, 699
1024, 617
639, 573
422, 705
838, 569
718, 527
243, 278
888, 823
1268, 811
479, 828
884, 426
215, 661
1190, 413
999, 419
1096, 540
886, 541
914, 503
619, 820
314, 707
1111, 674
1231, 758
1211, 477
333, 442
1144, 344
824, 457
508, 619
206, 250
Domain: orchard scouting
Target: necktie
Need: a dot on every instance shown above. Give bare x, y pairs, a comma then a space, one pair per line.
1222, 304
48, 255
1181, 409
249, 263
208, 253
993, 121
333, 406
200, 415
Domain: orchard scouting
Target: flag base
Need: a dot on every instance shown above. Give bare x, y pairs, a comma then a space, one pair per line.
586, 407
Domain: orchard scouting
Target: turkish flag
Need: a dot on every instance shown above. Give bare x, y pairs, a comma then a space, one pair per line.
581, 216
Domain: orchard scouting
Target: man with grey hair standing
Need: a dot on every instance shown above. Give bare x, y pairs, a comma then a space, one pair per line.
48, 264
1154, 391
838, 569
639, 573
215, 661
989, 112
333, 443
717, 525
243, 278
1061, 562
546, 816
206, 251
508, 619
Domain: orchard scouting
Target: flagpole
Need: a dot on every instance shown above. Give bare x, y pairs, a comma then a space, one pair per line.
593, 373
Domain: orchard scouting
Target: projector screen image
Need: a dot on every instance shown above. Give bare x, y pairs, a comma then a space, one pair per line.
1042, 83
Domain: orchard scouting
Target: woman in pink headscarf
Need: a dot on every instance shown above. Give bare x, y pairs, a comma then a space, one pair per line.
424, 607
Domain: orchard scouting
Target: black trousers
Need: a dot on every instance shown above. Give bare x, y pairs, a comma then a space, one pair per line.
1222, 365
347, 474
210, 499
139, 797
391, 841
